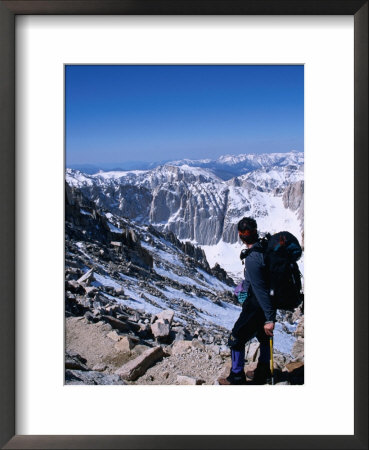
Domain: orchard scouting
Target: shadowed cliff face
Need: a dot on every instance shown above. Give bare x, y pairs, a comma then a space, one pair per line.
193, 202
293, 198
85, 221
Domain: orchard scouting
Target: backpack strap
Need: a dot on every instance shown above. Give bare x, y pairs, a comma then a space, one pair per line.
246, 252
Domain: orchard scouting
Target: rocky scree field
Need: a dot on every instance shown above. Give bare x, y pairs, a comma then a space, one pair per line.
144, 308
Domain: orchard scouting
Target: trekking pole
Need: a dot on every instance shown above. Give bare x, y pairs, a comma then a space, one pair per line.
271, 358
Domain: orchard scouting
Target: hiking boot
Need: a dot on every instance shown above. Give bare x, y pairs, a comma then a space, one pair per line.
233, 378
260, 375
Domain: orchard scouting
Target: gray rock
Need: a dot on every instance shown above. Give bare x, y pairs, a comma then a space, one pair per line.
112, 310
293, 198
87, 277
100, 367
138, 366
179, 333
213, 348
160, 329
195, 343
296, 315
253, 351
104, 326
167, 314
116, 323
224, 350
74, 286
124, 345
298, 349
90, 291
90, 316
145, 327
300, 328
279, 361
74, 361
183, 379
134, 317
91, 378
119, 291
180, 347
134, 326
113, 335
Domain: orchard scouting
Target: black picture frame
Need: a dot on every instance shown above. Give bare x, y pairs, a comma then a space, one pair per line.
8, 12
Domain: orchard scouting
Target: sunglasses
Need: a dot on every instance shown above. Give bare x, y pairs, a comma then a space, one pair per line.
247, 233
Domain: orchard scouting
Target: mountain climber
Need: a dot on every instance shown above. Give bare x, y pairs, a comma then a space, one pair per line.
258, 315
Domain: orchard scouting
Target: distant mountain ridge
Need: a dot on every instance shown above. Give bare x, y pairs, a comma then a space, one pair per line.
225, 167
229, 166
197, 202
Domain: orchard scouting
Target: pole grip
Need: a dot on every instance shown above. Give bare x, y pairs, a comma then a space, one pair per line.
271, 358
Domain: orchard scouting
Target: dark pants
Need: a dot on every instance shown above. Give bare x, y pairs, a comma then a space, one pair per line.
250, 324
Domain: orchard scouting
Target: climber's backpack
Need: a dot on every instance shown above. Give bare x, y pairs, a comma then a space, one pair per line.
281, 253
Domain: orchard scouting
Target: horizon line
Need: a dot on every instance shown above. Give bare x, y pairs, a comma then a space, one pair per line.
181, 159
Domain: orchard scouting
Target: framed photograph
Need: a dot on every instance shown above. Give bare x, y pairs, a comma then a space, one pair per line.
154, 243
134, 140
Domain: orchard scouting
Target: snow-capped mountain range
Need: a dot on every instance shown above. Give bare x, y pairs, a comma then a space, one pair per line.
202, 200
230, 166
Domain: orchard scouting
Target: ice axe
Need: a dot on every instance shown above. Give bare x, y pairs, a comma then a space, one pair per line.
271, 358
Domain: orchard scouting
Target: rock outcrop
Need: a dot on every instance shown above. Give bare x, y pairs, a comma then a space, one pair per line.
293, 198
137, 367
91, 378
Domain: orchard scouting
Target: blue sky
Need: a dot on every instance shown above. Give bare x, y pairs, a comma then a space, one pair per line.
116, 114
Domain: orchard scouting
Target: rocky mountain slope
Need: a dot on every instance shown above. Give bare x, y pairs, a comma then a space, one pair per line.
144, 308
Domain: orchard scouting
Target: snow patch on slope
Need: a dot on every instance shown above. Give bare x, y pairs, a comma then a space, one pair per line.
227, 256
